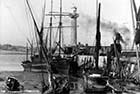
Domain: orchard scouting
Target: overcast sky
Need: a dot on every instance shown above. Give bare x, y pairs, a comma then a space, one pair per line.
16, 23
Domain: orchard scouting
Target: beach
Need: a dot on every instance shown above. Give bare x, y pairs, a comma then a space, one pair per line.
10, 65
30, 80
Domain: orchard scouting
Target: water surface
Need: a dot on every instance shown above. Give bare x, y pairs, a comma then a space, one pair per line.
11, 62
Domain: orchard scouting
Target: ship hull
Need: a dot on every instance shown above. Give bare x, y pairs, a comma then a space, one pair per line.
59, 65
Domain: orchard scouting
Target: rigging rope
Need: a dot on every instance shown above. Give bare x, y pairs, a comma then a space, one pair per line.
36, 16
32, 35
15, 21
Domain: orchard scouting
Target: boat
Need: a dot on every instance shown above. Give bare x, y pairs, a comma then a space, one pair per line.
64, 61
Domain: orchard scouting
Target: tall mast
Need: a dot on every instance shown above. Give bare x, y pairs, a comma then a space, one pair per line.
51, 24
32, 48
60, 26
98, 37
97, 5
75, 27
133, 23
26, 51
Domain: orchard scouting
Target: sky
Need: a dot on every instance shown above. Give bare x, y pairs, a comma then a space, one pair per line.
16, 23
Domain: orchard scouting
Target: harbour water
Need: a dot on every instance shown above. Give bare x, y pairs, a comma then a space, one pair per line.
11, 62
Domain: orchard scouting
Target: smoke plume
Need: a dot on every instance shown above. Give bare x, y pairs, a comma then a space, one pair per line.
88, 24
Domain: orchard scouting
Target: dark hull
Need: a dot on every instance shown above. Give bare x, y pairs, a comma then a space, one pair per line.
27, 67
58, 65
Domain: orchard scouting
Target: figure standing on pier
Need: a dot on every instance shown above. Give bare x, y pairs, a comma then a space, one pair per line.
114, 54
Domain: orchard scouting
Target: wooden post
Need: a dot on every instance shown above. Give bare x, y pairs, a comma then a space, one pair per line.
134, 43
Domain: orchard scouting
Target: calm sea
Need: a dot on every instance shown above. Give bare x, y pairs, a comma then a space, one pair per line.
11, 62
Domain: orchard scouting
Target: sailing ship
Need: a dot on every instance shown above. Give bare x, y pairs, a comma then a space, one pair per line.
60, 59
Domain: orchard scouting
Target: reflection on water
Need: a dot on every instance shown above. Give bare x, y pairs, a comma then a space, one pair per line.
11, 62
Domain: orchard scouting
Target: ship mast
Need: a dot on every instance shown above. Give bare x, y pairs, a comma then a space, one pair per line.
73, 16
60, 26
98, 37
51, 25
133, 23
27, 51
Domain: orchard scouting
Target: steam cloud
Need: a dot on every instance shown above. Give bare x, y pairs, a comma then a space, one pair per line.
88, 23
